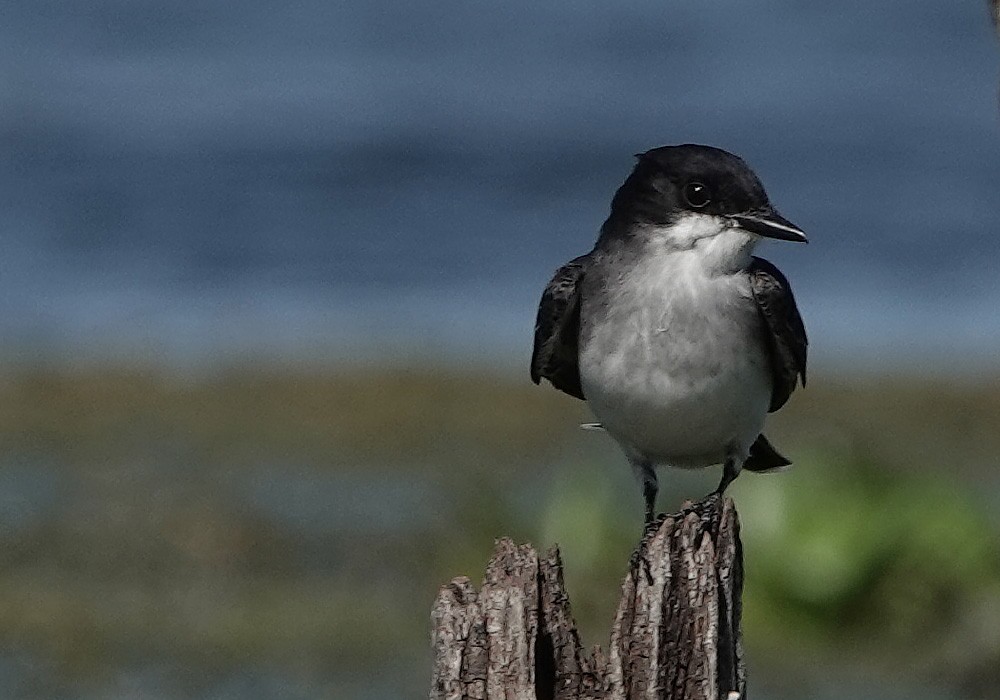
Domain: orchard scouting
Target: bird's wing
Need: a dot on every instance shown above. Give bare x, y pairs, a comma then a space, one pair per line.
557, 326
786, 335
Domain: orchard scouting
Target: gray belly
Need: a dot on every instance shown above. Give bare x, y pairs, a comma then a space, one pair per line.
678, 376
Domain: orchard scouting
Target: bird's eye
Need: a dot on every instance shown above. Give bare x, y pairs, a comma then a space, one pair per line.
697, 195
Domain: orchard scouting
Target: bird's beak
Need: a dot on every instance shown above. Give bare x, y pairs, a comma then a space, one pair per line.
770, 224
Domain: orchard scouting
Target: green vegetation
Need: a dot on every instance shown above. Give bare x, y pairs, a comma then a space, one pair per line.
302, 520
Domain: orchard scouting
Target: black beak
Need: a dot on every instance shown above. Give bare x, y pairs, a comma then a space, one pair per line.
770, 224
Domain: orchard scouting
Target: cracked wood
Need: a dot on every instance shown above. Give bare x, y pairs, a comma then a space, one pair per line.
676, 634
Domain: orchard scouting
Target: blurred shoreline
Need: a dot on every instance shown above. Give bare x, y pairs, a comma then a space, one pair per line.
441, 352
907, 405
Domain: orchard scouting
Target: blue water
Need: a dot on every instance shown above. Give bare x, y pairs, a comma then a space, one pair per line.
191, 181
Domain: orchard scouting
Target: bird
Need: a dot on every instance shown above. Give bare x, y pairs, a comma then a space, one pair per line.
678, 337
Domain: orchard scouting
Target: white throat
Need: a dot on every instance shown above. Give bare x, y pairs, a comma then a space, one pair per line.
713, 241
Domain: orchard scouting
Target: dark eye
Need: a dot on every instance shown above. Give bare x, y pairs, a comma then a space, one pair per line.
697, 195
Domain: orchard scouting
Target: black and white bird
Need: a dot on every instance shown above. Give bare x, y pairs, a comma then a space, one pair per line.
679, 338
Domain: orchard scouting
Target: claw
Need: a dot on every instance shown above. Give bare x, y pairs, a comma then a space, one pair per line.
638, 557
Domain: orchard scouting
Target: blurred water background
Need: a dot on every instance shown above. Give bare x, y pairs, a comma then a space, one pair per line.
267, 288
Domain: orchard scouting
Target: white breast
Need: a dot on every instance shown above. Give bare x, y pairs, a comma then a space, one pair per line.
674, 363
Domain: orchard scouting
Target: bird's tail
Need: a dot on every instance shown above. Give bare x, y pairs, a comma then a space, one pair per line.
764, 458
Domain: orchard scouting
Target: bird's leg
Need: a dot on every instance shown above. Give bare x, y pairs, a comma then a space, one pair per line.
730, 470
649, 490
645, 471
650, 487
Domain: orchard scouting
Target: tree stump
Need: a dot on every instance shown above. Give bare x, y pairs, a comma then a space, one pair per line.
676, 634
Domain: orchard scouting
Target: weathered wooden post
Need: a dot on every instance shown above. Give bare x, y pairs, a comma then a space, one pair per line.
676, 635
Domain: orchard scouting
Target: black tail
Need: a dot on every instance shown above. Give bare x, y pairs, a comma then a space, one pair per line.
764, 458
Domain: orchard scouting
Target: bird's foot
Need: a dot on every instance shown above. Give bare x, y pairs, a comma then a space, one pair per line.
707, 510
652, 525
709, 502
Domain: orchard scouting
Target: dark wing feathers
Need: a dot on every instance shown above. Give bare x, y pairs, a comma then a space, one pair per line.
786, 336
556, 329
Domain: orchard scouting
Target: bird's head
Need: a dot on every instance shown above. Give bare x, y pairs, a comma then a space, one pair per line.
690, 194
